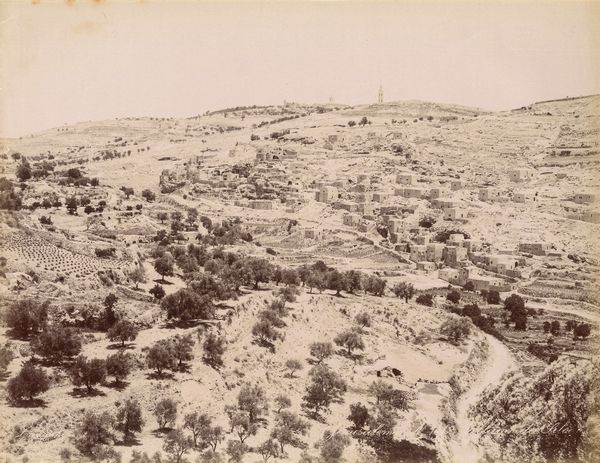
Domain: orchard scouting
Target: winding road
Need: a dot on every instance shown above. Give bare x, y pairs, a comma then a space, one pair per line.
464, 447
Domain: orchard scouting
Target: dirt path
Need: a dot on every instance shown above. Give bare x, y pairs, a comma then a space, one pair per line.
464, 448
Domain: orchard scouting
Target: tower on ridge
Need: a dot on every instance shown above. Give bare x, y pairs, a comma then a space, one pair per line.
380, 95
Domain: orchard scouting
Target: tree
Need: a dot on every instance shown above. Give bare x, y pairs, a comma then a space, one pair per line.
148, 195
56, 342
258, 270
6, 356
268, 449
351, 123
93, 433
289, 429
582, 331
546, 327
212, 435
127, 191
405, 290
192, 215
27, 316
185, 304
182, 347
363, 319
23, 172
177, 444
252, 399
359, 416
425, 299
555, 328
122, 331
110, 317
71, 204
87, 373
161, 357
332, 445
493, 297
293, 365
214, 348
236, 451
455, 328
325, 387
469, 286
157, 291
129, 419
197, 423
118, 366
453, 296
336, 281
514, 302
162, 216
353, 281
316, 280
321, 350
164, 265
350, 340
28, 383
165, 413
137, 275
242, 425
364, 121
374, 285
282, 401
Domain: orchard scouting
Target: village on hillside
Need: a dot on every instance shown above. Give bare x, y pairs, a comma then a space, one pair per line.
387, 282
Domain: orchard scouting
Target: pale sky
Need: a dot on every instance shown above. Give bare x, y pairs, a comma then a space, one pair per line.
62, 63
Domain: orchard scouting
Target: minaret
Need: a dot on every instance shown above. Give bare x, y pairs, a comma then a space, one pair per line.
380, 95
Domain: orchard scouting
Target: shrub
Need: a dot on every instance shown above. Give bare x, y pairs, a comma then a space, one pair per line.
493, 297
157, 291
265, 331
182, 347
28, 383
453, 296
214, 348
582, 331
425, 299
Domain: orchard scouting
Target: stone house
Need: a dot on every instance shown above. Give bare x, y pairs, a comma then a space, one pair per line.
584, 198
406, 179
455, 213
435, 252
327, 194
456, 185
455, 256
519, 175
535, 248
455, 276
418, 253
